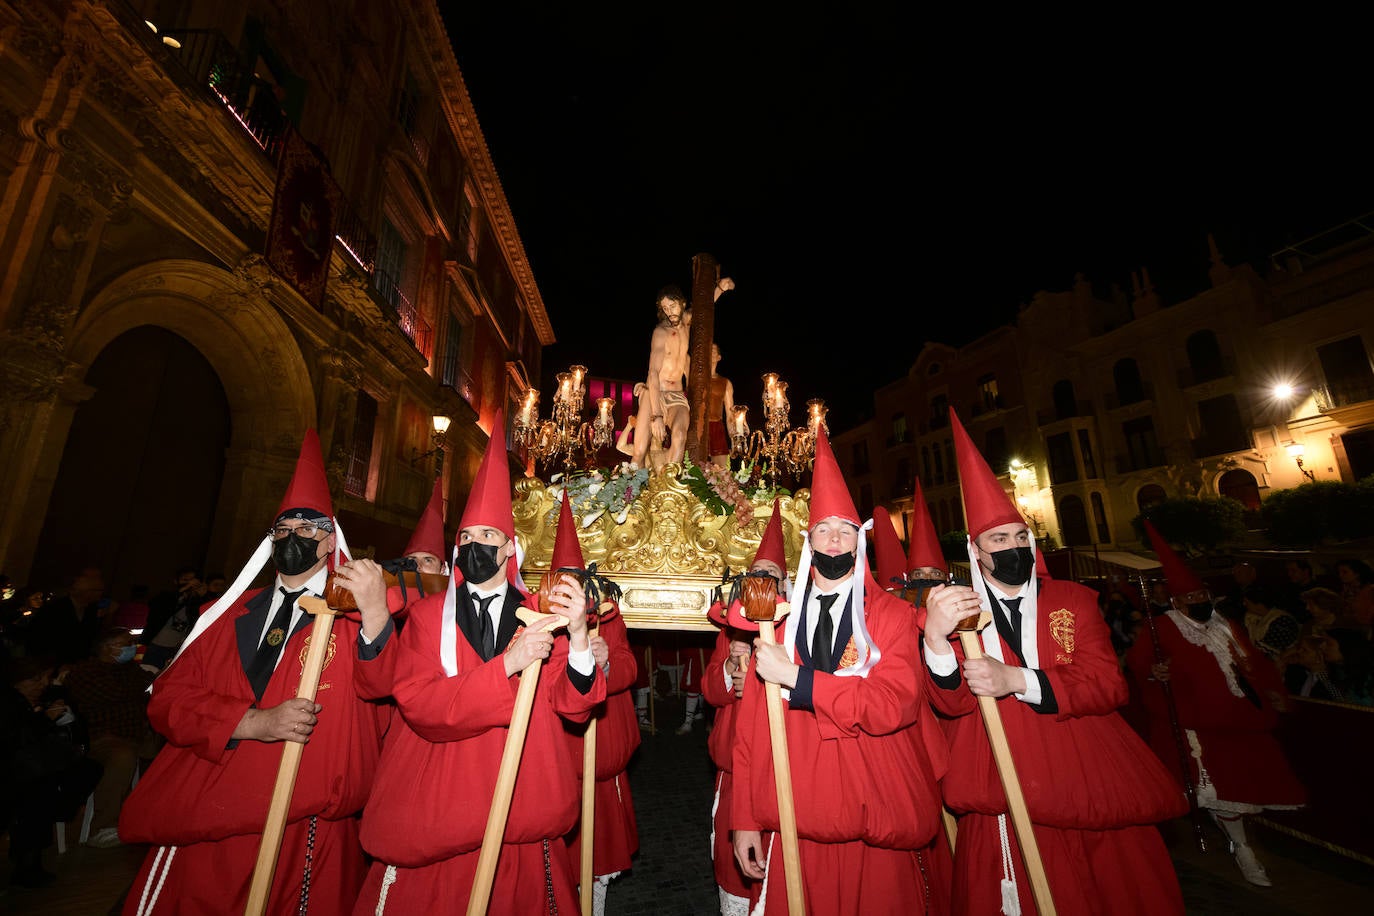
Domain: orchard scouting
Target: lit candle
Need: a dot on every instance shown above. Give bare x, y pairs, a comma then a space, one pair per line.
741, 426
770, 381
816, 409
604, 408
564, 386
578, 372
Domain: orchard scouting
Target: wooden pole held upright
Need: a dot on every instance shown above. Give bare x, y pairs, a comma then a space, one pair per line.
260, 889
1011, 784
586, 830
782, 776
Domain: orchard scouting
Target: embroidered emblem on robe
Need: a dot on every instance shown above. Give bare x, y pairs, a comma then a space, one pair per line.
1061, 630
328, 657
275, 636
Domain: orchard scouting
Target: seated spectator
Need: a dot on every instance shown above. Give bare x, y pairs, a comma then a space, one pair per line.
44, 774
68, 627
1273, 630
173, 625
1303, 577
110, 693
1357, 592
17, 617
1315, 664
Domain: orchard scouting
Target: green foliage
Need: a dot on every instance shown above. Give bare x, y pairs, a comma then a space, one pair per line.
954, 545
1320, 512
1198, 525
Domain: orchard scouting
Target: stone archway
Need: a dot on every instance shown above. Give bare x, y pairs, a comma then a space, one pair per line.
232, 323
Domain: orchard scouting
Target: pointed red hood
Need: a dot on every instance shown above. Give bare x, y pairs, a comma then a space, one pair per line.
771, 546
429, 531
829, 495
986, 504
309, 487
489, 503
887, 549
567, 549
924, 549
1181, 579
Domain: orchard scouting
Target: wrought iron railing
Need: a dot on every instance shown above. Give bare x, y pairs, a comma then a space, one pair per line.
210, 60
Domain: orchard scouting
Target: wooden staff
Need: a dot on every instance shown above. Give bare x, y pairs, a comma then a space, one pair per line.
270, 847
480, 895
760, 606
1006, 769
588, 803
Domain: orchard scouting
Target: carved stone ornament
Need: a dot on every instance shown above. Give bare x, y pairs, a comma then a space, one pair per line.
669, 552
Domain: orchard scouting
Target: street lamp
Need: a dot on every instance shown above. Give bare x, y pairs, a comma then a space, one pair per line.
440, 439
1296, 451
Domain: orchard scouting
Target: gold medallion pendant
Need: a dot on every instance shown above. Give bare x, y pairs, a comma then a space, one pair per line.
275, 636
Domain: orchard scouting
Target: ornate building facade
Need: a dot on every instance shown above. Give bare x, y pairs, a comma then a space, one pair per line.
1095, 408
221, 224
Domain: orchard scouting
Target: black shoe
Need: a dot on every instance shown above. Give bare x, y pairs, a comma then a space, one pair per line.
32, 876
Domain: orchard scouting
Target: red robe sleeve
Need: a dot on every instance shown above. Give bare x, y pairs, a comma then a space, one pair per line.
1093, 685
885, 701
715, 685
188, 713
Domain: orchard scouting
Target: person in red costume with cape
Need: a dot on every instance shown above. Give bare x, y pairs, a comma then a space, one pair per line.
1228, 696
1093, 791
453, 671
865, 752
226, 703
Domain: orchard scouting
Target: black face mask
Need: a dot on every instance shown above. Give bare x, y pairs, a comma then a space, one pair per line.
477, 562
1200, 611
1012, 566
833, 567
294, 554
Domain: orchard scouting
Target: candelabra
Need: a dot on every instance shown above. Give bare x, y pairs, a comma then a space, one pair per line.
777, 446
565, 434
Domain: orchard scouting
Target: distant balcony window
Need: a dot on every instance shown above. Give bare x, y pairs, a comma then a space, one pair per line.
1130, 388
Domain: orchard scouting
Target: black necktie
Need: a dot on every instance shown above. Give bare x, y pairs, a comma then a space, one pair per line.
1014, 615
265, 662
486, 634
824, 636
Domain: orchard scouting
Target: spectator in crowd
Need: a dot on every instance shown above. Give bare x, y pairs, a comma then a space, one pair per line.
1357, 592
17, 617
68, 627
44, 774
1273, 630
1301, 578
164, 604
110, 692
215, 584
1123, 619
1315, 666
165, 634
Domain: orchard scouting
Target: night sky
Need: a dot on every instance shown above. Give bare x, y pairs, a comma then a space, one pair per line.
872, 181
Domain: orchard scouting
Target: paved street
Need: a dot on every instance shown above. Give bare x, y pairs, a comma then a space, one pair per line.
672, 782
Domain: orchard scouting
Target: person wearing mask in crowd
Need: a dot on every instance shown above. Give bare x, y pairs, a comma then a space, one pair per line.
453, 671
171, 617
723, 685
111, 693
865, 753
1273, 630
1093, 791
1227, 695
226, 703
614, 829
68, 627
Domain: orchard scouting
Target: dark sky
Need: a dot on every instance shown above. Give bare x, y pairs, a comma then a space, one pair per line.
872, 181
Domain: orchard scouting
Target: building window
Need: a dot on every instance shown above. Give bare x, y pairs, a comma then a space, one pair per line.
1085, 448
1104, 533
1073, 522
1223, 430
901, 478
1129, 387
939, 465
1204, 356
1063, 468
391, 264
925, 466
1345, 364
448, 368
995, 449
359, 468
987, 390
860, 454
939, 412
469, 222
1142, 448
1240, 485
949, 460
899, 431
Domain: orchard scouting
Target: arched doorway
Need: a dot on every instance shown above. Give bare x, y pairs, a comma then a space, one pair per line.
1149, 496
1240, 485
1073, 522
145, 455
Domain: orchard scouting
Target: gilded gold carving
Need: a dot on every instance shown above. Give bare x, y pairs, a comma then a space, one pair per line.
666, 551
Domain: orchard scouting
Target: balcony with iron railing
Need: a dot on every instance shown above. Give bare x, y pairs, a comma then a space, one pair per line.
1052, 415
1125, 464
208, 58
1343, 393
1115, 398
1189, 376
414, 327
1208, 445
